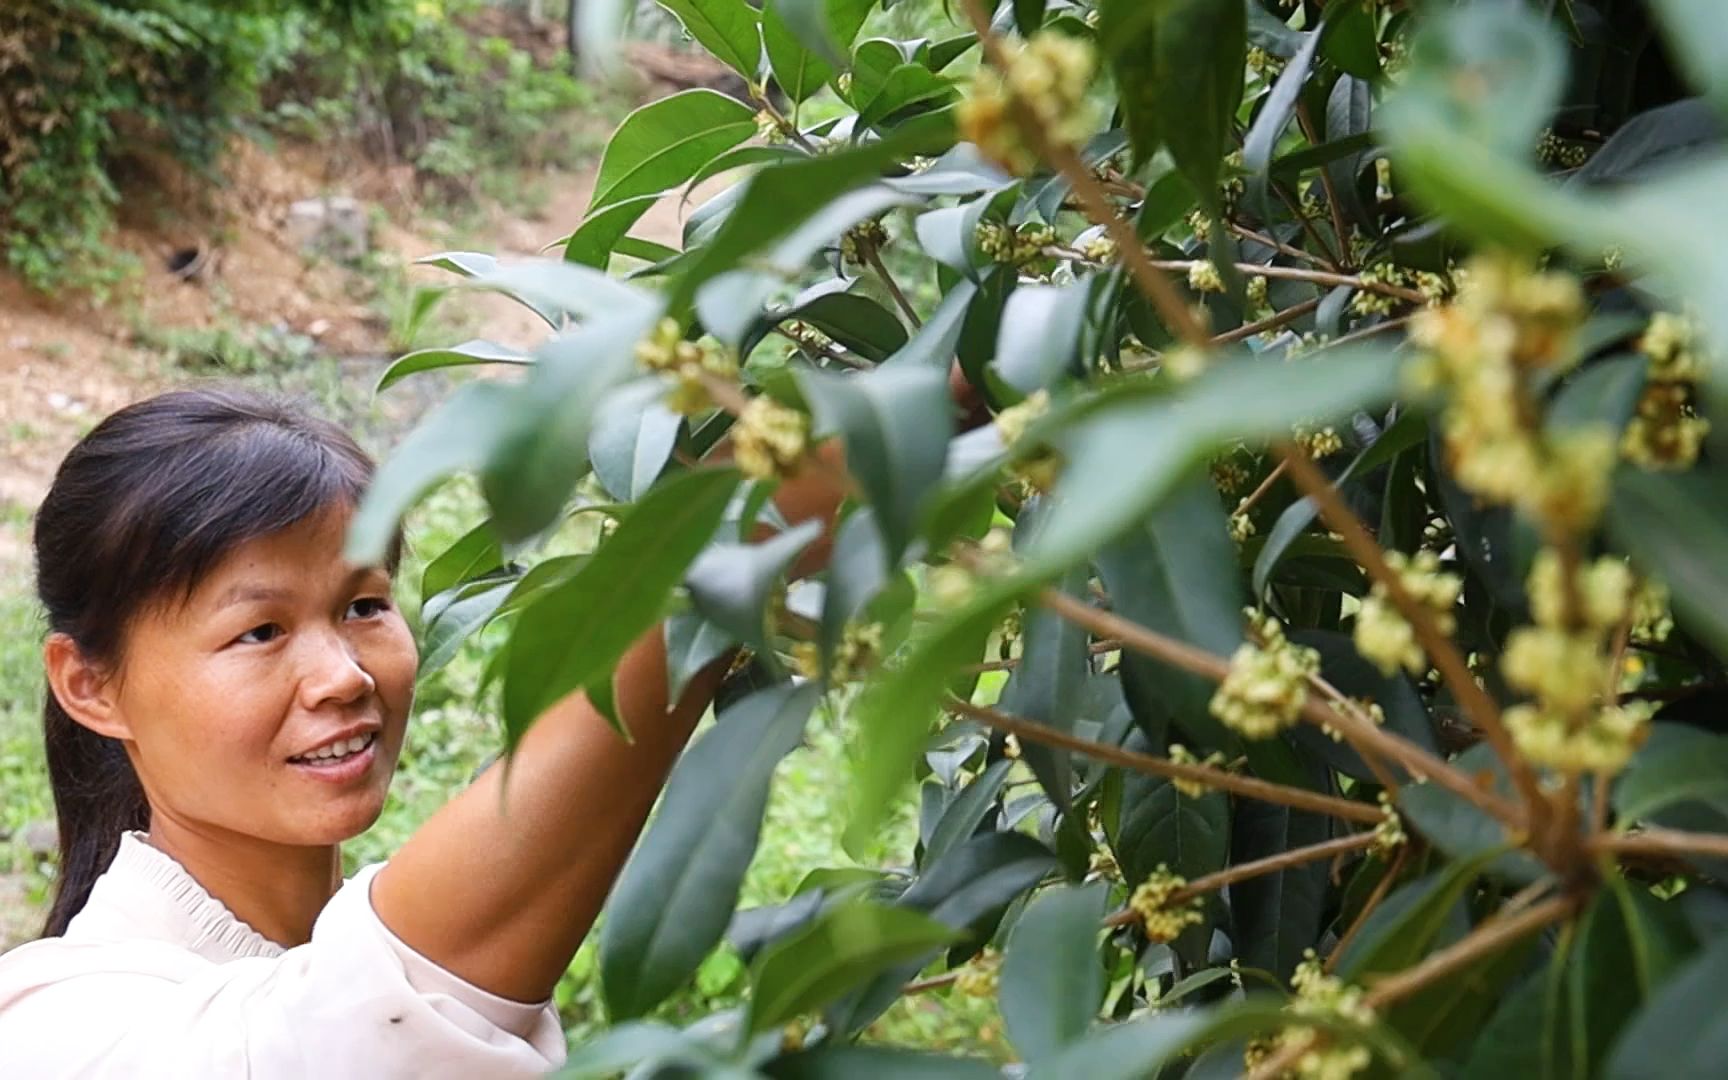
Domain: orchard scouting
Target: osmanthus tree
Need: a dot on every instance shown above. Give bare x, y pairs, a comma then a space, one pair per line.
1275, 431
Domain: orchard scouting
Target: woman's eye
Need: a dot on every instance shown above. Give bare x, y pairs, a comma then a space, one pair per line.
260, 635
368, 606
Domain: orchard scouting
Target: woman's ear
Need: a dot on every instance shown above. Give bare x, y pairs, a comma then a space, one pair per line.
83, 688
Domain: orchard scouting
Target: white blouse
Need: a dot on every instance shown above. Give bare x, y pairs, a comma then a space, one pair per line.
156, 978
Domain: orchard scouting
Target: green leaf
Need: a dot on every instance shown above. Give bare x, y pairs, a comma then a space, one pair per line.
470, 609
663, 144
692, 643
966, 811
1175, 572
907, 85
476, 351
1126, 1051
933, 345
1178, 65
1161, 825
1168, 436
726, 28
574, 634
1052, 984
543, 451
1416, 918
1682, 1029
1463, 830
895, 424
1685, 552
1677, 764
826, 27
675, 897
626, 1045
1693, 29
460, 434
600, 233
474, 553
799, 70
1348, 40
1046, 688
1628, 946
1277, 916
1274, 117
856, 322
632, 440
1040, 333
857, 572
895, 711
1410, 429
731, 584
1653, 141
840, 950
875, 1062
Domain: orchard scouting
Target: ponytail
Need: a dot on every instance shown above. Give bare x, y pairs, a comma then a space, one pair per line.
97, 798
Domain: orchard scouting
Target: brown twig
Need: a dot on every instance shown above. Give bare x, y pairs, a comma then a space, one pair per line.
1381, 889
1300, 273
873, 255
934, 982
1270, 322
1482, 709
1308, 132
1210, 666
1259, 493
1345, 705
1097, 648
1092, 198
829, 351
1654, 841
1274, 243
1271, 864
1247, 786
1495, 933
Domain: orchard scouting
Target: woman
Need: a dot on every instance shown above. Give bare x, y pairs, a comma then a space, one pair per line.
226, 702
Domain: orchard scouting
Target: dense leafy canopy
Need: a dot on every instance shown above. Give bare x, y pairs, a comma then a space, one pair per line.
1398, 325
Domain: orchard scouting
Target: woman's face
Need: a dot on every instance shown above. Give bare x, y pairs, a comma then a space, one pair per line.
283, 653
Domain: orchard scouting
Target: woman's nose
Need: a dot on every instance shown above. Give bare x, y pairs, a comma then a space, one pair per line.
333, 673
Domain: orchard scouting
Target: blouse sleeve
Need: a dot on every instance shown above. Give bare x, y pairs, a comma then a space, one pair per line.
353, 1002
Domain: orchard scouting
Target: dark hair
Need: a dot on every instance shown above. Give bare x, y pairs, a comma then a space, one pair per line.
140, 510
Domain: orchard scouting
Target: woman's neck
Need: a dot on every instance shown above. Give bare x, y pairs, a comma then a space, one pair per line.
277, 890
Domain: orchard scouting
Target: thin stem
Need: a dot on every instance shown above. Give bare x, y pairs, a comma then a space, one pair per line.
1274, 243
1210, 666
1248, 786
934, 982
1271, 864
829, 351
1246, 330
1160, 290
1492, 935
1307, 123
1290, 202
1259, 493
1654, 841
1097, 648
873, 255
1381, 889
1299, 273
1481, 708
1349, 708
787, 127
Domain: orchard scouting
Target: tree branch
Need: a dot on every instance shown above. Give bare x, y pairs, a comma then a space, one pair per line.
1496, 933
1299, 273
1271, 864
1481, 708
1160, 290
1247, 786
1381, 889
873, 255
1654, 841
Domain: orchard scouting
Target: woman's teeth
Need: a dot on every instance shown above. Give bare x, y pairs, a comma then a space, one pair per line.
338, 750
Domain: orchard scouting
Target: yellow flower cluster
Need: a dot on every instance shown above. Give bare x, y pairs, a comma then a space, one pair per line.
665, 350
1666, 432
1372, 302
1651, 619
860, 240
1039, 470
1048, 75
1321, 995
1181, 755
1228, 477
1507, 324
769, 438
1562, 662
1382, 634
1389, 834
1258, 297
1267, 684
1551, 149
1151, 901
769, 128
1013, 247
981, 977
1203, 276
859, 648
1241, 525
1318, 442
1099, 249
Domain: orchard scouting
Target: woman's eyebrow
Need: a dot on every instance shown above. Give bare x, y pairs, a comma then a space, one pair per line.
248, 592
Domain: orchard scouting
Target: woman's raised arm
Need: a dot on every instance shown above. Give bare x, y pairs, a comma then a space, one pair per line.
501, 885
